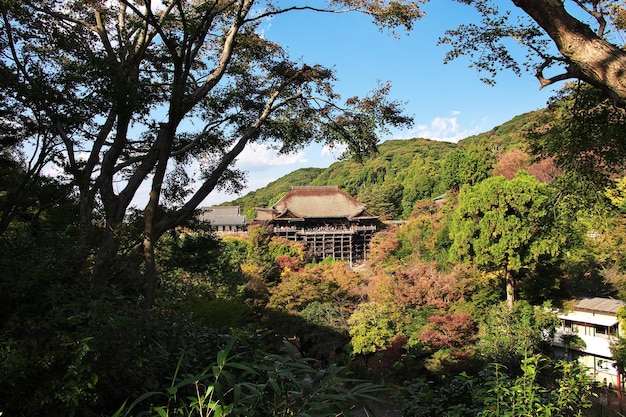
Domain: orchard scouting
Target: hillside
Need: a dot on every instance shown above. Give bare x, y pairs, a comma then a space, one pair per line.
402, 173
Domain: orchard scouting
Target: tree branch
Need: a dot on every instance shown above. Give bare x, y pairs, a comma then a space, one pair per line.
598, 62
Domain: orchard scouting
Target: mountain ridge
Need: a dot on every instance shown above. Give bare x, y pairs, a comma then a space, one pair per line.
402, 172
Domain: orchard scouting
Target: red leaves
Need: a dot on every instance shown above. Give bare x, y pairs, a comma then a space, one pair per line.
450, 331
510, 162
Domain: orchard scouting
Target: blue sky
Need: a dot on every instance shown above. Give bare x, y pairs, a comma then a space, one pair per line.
447, 101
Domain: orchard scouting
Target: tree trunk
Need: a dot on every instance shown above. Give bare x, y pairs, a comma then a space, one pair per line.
104, 259
150, 273
510, 289
150, 238
589, 57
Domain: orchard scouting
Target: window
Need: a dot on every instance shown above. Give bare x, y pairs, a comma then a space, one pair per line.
601, 331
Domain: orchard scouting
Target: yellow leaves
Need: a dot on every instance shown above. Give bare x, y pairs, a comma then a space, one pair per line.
617, 194
252, 270
322, 283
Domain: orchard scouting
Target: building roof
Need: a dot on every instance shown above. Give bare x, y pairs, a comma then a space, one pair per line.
264, 214
222, 216
599, 305
319, 202
582, 318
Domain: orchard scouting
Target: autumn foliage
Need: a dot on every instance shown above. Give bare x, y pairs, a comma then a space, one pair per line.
450, 331
509, 163
322, 283
450, 338
420, 284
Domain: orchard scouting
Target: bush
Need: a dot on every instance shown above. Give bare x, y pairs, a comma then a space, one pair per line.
267, 385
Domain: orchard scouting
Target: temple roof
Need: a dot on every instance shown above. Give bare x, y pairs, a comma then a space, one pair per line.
319, 202
222, 216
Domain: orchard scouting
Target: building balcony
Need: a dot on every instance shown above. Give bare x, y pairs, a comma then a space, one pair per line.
322, 230
594, 345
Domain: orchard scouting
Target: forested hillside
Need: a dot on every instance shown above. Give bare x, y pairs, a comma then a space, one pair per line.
402, 172
447, 312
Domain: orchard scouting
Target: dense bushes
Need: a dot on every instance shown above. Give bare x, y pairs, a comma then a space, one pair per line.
255, 383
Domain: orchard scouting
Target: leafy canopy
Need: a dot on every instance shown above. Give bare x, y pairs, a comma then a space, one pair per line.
504, 225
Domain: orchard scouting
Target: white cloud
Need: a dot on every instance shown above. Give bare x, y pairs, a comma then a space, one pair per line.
445, 129
333, 152
258, 157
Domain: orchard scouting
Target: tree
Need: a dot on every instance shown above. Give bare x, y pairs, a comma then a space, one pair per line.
568, 394
507, 336
418, 285
336, 283
554, 38
373, 326
201, 261
584, 133
451, 338
388, 199
132, 92
505, 226
461, 168
618, 347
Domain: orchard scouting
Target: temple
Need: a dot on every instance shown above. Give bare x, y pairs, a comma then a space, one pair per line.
328, 221
224, 219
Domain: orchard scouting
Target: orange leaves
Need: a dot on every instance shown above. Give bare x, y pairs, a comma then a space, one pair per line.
510, 162
450, 331
418, 285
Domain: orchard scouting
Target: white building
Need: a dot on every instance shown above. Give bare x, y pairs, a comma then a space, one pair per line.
595, 322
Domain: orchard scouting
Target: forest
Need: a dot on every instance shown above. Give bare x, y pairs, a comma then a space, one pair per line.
109, 309
247, 325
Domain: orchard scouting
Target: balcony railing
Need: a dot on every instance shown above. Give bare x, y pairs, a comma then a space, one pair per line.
323, 229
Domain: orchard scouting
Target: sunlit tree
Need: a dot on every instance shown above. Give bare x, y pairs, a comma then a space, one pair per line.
505, 226
553, 39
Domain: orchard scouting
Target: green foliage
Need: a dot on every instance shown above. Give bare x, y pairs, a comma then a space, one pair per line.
76, 356
259, 255
65, 351
284, 247
387, 201
195, 262
327, 314
540, 389
421, 168
526, 396
422, 234
505, 225
618, 347
457, 398
218, 313
372, 327
390, 182
461, 168
270, 385
509, 335
584, 131
236, 249
510, 135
